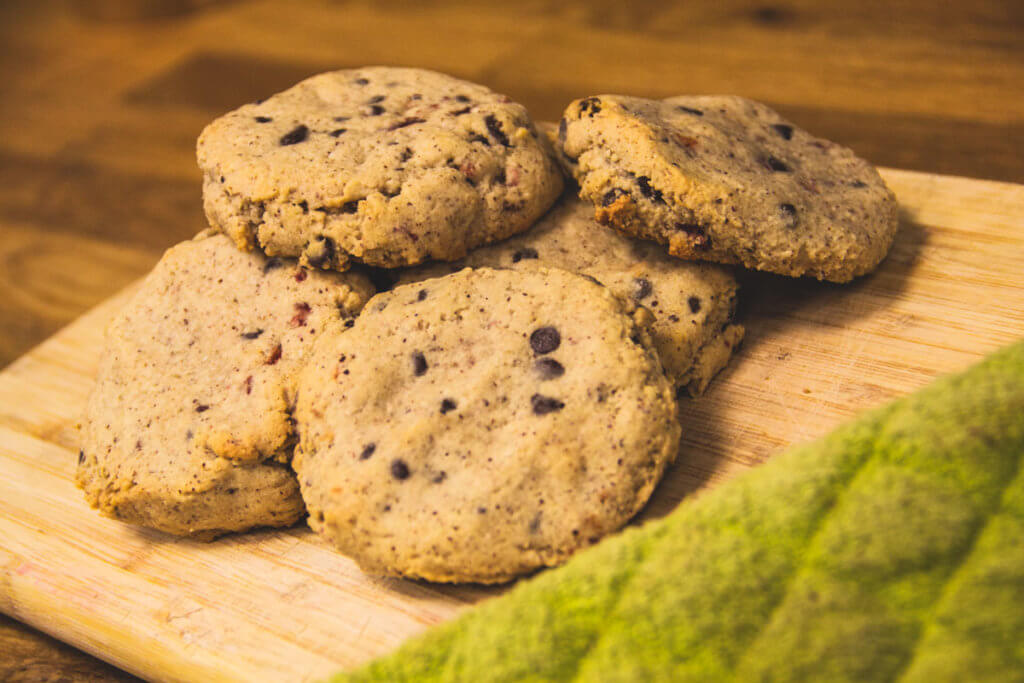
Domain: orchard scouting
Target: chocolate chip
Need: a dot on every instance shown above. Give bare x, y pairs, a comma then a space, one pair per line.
342, 119
375, 110
304, 205
263, 119
419, 363
545, 339
295, 136
350, 322
611, 196
590, 106
337, 131
785, 131
698, 237
462, 98
494, 128
776, 164
542, 405
368, 450
562, 126
406, 122
447, 405
252, 335
399, 470
788, 213
422, 295
350, 207
81, 457
641, 288
646, 190
694, 302
375, 99
549, 368
201, 408
524, 253
405, 155
320, 251
272, 263
361, 81
689, 110
300, 275
591, 278
476, 137
460, 112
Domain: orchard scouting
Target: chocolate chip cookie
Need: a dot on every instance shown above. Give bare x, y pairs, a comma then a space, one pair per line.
693, 303
726, 179
478, 426
188, 429
386, 166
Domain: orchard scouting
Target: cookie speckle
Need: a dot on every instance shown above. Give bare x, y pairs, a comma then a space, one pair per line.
549, 368
274, 356
590, 106
689, 110
295, 136
776, 165
419, 363
545, 340
252, 334
447, 405
644, 183
611, 195
399, 470
641, 288
263, 119
784, 131
81, 457
367, 451
337, 132
494, 128
542, 405
271, 264
422, 295
202, 408
788, 214
524, 253
694, 303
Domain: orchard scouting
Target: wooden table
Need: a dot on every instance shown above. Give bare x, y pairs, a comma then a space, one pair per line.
101, 101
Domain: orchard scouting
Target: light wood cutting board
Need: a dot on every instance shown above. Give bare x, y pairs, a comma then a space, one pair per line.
280, 605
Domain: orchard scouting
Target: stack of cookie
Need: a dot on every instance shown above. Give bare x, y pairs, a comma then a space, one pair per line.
511, 394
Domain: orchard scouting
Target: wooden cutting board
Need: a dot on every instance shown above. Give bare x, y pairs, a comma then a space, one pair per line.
280, 605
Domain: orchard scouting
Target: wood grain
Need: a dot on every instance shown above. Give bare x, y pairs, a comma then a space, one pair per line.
281, 605
101, 101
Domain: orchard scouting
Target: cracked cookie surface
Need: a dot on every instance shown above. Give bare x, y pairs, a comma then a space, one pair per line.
693, 303
479, 426
188, 429
385, 166
726, 179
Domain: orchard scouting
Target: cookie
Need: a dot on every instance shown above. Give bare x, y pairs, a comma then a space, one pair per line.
188, 429
385, 166
481, 425
725, 179
693, 303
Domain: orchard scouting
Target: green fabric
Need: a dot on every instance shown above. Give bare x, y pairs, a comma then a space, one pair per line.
893, 549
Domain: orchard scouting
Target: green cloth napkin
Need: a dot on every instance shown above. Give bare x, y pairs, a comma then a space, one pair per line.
892, 549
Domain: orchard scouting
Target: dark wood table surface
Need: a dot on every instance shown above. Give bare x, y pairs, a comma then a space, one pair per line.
101, 102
